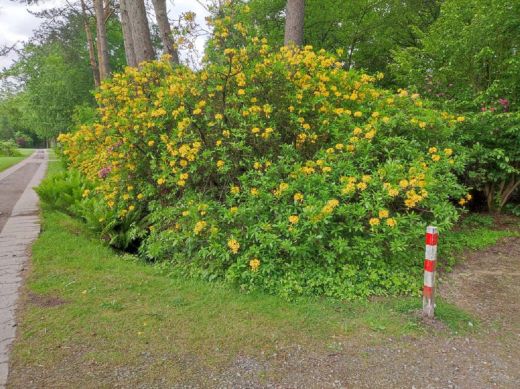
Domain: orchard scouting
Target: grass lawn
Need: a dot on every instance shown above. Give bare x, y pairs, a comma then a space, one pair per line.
6, 162
91, 314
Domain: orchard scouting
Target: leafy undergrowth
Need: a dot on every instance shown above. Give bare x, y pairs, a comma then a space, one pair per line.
475, 232
90, 312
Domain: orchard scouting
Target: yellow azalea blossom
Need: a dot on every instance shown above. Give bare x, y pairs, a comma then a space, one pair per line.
220, 164
219, 116
358, 114
448, 152
235, 190
254, 264
469, 197
233, 210
185, 213
140, 196
436, 157
233, 245
432, 150
298, 197
460, 119
161, 181
391, 222
199, 226
370, 134
462, 201
293, 219
362, 186
254, 192
374, 221
403, 183
383, 213
151, 143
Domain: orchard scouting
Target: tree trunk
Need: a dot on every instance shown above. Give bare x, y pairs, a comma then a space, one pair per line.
140, 31
90, 44
294, 15
102, 43
161, 15
127, 35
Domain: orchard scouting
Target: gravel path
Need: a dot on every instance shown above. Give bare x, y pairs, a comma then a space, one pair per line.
19, 226
487, 285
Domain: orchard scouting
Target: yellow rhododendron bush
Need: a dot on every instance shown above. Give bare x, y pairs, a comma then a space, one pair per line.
272, 169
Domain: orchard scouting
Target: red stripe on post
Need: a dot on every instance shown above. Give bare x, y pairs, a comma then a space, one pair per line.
427, 291
429, 265
432, 239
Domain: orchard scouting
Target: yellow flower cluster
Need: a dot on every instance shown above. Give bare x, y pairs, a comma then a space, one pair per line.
199, 226
233, 245
293, 219
254, 264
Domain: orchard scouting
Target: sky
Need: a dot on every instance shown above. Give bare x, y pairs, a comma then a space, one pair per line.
17, 24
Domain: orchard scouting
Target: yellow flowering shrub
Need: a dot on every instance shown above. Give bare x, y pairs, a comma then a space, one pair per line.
273, 169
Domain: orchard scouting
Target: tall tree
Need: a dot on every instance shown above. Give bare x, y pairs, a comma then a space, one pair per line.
102, 43
90, 44
294, 12
141, 38
127, 35
161, 15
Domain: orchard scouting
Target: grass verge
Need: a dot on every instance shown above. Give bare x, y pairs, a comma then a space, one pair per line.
7, 162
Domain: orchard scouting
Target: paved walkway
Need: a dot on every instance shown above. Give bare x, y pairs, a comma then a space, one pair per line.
19, 227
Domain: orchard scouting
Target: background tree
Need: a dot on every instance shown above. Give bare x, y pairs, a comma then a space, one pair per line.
294, 20
102, 15
469, 56
161, 15
365, 31
469, 61
141, 40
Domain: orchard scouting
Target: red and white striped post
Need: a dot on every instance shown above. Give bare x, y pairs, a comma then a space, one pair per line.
430, 261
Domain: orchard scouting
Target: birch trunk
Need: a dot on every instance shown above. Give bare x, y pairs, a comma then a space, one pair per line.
161, 15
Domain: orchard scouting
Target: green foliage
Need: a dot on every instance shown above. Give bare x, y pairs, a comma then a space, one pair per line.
468, 57
54, 77
67, 191
493, 140
366, 31
8, 149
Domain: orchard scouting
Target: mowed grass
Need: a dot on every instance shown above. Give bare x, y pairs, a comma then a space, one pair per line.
7, 162
92, 314
90, 309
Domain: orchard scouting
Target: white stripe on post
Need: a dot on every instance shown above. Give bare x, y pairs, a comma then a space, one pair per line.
430, 261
